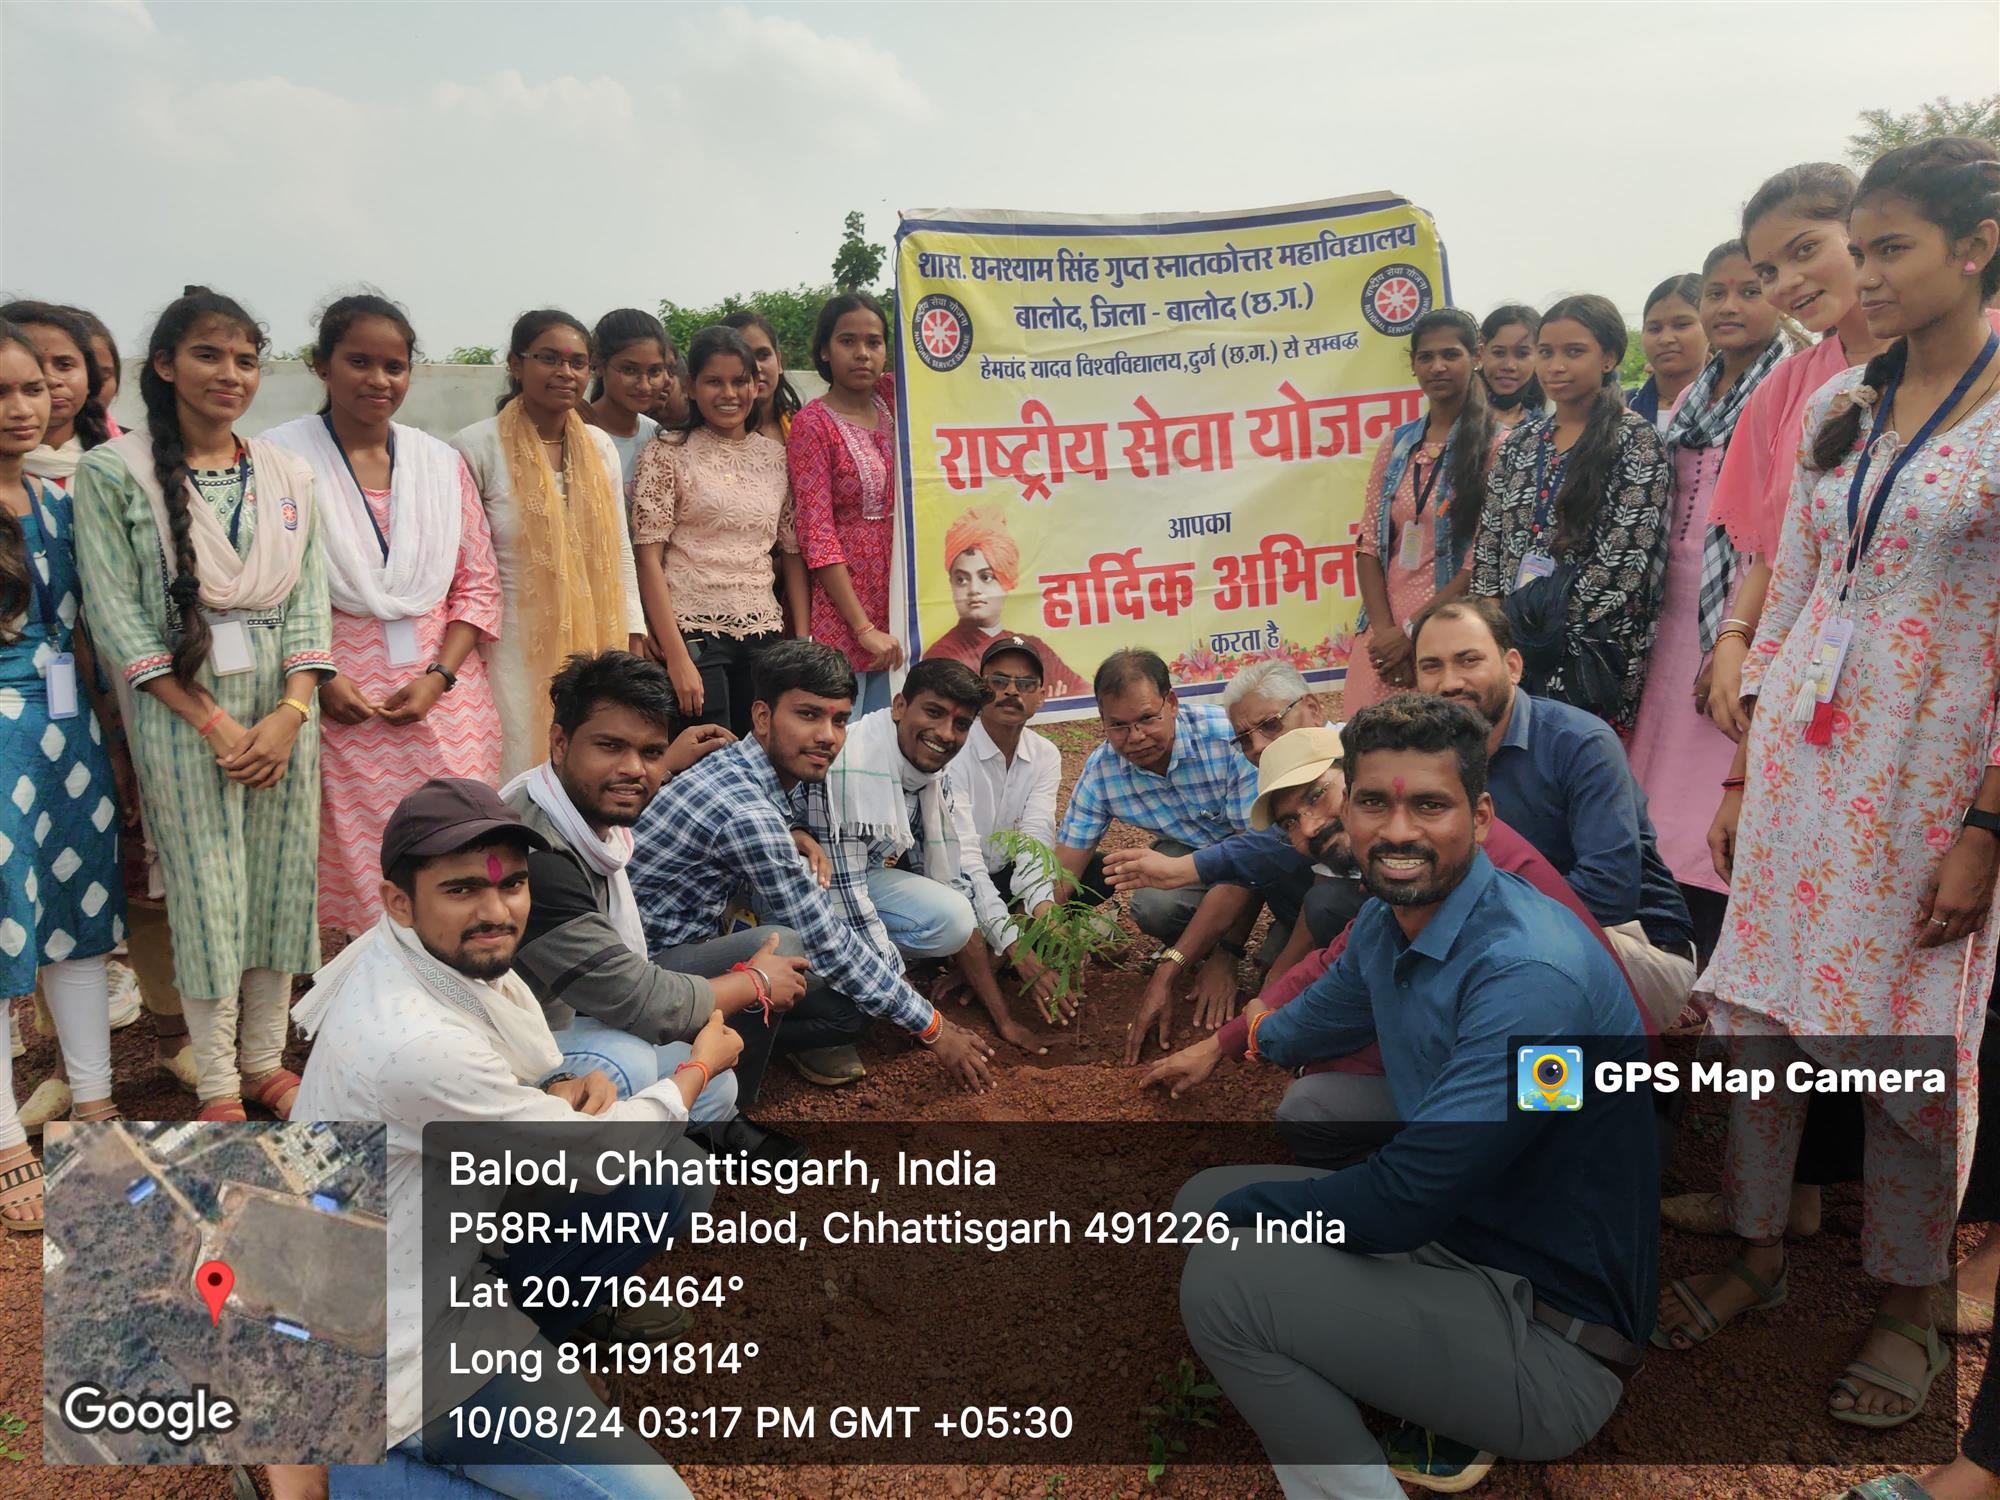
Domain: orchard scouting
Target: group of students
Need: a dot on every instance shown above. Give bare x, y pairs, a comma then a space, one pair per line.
622, 796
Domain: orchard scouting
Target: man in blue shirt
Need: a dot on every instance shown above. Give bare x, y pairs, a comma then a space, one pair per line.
1560, 779
1495, 1274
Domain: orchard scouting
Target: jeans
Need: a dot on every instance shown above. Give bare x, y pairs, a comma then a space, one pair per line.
726, 663
633, 1064
871, 691
925, 918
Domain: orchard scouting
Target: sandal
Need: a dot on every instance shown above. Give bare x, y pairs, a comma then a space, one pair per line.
1893, 1487
1708, 1213
93, 1114
1704, 1324
1935, 1360
222, 1109
20, 1186
281, 1083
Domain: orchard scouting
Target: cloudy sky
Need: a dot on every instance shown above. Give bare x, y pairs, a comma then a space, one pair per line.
476, 159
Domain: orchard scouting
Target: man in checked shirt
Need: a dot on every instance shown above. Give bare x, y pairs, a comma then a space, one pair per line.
721, 834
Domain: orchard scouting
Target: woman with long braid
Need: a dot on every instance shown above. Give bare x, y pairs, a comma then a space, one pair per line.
203, 579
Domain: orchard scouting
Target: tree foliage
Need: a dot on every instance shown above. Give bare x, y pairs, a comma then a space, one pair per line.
856, 264
1883, 130
473, 354
1632, 368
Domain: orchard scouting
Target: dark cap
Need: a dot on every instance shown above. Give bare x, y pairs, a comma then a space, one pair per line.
1002, 644
445, 814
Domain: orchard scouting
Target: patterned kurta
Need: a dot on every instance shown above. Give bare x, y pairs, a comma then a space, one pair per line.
1623, 562
239, 865
367, 768
60, 892
1836, 842
827, 503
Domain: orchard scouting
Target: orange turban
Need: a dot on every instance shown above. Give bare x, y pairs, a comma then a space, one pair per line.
985, 531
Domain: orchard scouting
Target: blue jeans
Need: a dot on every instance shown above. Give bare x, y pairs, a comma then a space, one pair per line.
871, 691
925, 918
634, 1064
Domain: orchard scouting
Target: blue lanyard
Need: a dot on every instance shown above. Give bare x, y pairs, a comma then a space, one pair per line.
1545, 446
1859, 541
44, 595
243, 497
1423, 491
366, 509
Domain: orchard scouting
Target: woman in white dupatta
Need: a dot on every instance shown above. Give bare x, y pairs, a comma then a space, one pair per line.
415, 590
202, 578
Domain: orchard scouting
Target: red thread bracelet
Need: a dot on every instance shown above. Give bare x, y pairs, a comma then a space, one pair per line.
759, 986
933, 1031
214, 719
693, 1062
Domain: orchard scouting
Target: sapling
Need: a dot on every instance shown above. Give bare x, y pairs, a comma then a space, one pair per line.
1070, 933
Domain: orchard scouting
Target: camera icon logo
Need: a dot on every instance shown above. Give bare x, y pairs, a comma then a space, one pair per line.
1548, 1079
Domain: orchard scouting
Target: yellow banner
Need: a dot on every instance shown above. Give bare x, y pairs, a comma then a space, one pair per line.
1151, 431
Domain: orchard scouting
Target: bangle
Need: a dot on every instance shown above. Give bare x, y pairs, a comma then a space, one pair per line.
1255, 1021
695, 1062
1171, 955
1732, 783
213, 720
305, 713
1729, 620
929, 1035
1741, 634
759, 986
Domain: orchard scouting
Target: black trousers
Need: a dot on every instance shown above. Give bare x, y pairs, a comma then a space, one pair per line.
725, 663
821, 1018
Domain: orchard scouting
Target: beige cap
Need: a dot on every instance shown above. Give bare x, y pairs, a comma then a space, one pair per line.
1298, 757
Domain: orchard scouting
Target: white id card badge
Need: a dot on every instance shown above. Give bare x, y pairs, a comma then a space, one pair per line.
229, 645
399, 639
1410, 550
1829, 656
60, 680
1534, 565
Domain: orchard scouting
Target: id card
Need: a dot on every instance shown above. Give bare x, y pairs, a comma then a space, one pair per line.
1534, 565
399, 639
1829, 655
1410, 550
229, 645
61, 682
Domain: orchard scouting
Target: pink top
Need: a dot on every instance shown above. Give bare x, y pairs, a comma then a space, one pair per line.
720, 507
827, 495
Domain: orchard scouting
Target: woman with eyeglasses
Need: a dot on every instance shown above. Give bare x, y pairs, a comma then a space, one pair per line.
550, 484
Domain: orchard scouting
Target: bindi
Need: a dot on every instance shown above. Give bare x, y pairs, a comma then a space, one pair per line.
493, 870
1396, 784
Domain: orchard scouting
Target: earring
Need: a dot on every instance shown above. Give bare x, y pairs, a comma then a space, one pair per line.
1971, 267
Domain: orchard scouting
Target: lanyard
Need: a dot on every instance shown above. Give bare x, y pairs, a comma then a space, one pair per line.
1859, 540
244, 497
1545, 449
44, 595
1423, 490
366, 509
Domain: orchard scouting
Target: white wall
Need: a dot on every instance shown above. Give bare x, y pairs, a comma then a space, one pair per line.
442, 399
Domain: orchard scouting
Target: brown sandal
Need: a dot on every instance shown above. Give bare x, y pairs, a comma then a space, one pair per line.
20, 1185
266, 1092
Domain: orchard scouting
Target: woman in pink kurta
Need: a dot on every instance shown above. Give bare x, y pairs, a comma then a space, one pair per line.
1434, 500
415, 590
1863, 927
842, 457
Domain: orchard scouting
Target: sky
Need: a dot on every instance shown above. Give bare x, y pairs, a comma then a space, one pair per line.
472, 160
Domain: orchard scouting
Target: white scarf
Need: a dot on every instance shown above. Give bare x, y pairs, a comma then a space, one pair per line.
424, 506
607, 855
864, 796
266, 577
56, 464
505, 1011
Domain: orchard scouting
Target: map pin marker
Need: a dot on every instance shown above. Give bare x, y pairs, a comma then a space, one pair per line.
213, 1280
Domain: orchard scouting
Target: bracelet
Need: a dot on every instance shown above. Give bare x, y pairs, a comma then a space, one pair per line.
1728, 620
305, 713
213, 720
929, 1035
1173, 955
759, 986
1255, 1021
1732, 783
695, 1062
1742, 635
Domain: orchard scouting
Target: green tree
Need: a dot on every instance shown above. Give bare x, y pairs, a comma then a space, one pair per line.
1882, 130
856, 263
792, 312
1632, 368
473, 354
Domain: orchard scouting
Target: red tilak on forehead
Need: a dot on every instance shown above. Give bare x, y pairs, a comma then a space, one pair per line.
493, 870
1397, 783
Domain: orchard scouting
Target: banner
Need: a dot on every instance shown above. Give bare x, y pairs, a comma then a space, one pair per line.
1150, 431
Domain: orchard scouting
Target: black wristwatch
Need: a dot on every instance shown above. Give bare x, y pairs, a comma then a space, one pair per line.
1974, 818
450, 677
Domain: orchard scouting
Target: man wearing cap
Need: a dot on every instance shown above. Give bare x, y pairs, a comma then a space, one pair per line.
613, 1007
1011, 774
1340, 1109
419, 1021
1491, 1272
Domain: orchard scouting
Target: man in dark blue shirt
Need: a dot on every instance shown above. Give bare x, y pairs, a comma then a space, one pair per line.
1560, 779
1495, 1269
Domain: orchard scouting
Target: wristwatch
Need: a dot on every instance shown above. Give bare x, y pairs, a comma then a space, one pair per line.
1974, 818
1171, 954
450, 677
